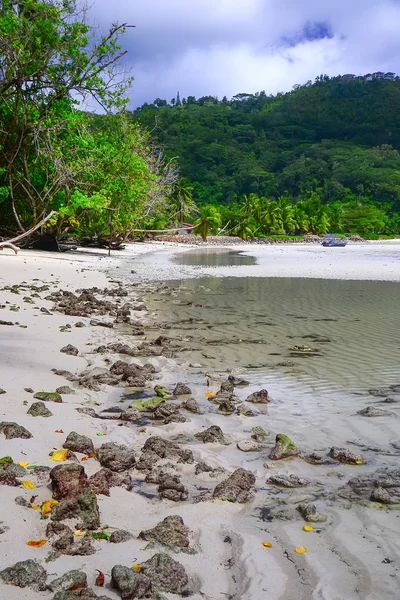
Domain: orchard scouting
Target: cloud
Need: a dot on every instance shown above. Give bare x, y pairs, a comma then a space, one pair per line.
223, 47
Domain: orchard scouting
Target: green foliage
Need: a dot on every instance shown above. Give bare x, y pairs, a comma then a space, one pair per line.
208, 222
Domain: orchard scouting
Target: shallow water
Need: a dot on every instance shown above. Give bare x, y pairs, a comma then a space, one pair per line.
212, 258
254, 323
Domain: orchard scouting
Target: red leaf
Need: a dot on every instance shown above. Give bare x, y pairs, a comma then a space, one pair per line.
76, 586
99, 579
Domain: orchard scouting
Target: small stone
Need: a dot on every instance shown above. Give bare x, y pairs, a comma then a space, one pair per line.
346, 456
171, 532
29, 390
71, 350
248, 446
239, 487
238, 381
372, 411
67, 480
27, 573
103, 480
212, 435
48, 396
39, 409
132, 415
191, 405
309, 513
284, 447
289, 481
131, 584
116, 457
45, 311
80, 324
245, 410
79, 443
68, 580
2, 391
181, 389
261, 397
119, 536
66, 390
171, 488
226, 407
83, 507
165, 574
12, 430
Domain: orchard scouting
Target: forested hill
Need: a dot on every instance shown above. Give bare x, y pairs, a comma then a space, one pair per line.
338, 137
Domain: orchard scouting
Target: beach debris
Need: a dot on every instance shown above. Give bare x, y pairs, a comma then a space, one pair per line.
267, 544
239, 487
12, 430
260, 397
310, 513
69, 580
130, 583
27, 573
65, 390
104, 479
212, 435
171, 532
59, 455
372, 411
307, 528
116, 457
136, 567
346, 456
27, 484
209, 394
39, 409
300, 550
120, 535
48, 396
171, 488
284, 448
248, 446
99, 579
67, 480
181, 389
79, 443
59, 431
191, 405
288, 481
70, 349
47, 506
36, 543
23, 463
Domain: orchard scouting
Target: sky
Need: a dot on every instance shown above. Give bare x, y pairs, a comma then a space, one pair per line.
225, 47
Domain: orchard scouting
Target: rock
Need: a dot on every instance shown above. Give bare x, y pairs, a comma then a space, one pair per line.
158, 447
67, 480
171, 488
45, 311
27, 573
48, 396
86, 410
259, 434
346, 456
309, 513
261, 397
165, 574
71, 350
29, 390
65, 389
131, 584
288, 481
284, 447
181, 389
39, 409
168, 413
116, 457
239, 487
191, 405
248, 446
12, 430
80, 324
372, 411
162, 392
315, 459
2, 391
83, 507
226, 407
132, 415
21, 501
171, 532
68, 580
380, 393
67, 374
203, 467
383, 486
237, 381
245, 410
212, 435
119, 536
103, 480
72, 546
79, 594
79, 443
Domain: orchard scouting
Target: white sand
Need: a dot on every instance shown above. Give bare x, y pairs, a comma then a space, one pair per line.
344, 560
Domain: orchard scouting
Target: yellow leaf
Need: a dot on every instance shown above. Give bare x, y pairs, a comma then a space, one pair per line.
47, 506
359, 462
59, 455
307, 528
209, 394
36, 543
79, 532
267, 544
300, 550
137, 567
23, 463
28, 485
35, 507
142, 430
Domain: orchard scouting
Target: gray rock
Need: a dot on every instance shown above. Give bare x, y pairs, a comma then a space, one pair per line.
212, 435
67, 480
171, 532
260, 397
238, 381
383, 486
372, 411
72, 546
171, 488
103, 480
289, 481
79, 443
132, 415
165, 574
203, 467
116, 457
156, 447
239, 487
12, 430
27, 573
259, 434
284, 448
39, 409
227, 407
248, 446
181, 389
131, 584
346, 456
119, 536
68, 580
191, 405
71, 350
66, 390
2, 391
245, 410
83, 507
309, 513
168, 413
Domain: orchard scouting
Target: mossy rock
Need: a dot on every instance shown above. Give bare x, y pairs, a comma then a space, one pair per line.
147, 405
48, 396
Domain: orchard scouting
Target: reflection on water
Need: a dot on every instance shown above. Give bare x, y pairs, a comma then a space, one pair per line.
352, 327
212, 257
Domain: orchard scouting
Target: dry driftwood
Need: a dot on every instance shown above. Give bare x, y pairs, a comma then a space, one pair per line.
9, 243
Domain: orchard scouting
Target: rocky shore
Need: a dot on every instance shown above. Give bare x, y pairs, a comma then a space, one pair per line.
125, 476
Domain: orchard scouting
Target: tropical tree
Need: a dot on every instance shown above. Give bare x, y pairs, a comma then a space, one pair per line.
181, 203
208, 222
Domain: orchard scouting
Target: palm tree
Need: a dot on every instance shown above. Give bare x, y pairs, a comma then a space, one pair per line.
181, 201
209, 221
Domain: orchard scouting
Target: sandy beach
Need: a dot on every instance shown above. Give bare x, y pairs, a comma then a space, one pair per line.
252, 549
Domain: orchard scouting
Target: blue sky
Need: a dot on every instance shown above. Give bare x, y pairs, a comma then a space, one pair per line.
223, 47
